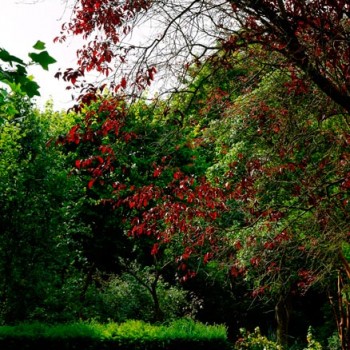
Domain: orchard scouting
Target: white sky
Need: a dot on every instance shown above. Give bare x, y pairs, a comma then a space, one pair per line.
22, 24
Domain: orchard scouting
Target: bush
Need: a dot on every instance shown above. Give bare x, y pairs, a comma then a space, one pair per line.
133, 335
334, 342
124, 297
312, 343
255, 341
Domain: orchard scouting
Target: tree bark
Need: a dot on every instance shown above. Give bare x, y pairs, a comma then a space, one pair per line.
343, 318
282, 314
158, 312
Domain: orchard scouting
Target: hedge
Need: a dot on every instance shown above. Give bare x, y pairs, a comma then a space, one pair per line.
132, 335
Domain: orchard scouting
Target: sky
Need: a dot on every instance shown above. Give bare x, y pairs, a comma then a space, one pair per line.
22, 24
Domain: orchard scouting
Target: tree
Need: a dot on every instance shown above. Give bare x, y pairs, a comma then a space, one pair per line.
149, 169
313, 36
40, 210
285, 167
309, 44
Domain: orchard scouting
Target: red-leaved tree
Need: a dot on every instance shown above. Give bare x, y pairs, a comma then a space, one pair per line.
148, 174
312, 35
308, 40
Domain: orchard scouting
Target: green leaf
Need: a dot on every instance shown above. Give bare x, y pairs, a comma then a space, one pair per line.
23, 84
21, 71
7, 57
42, 58
39, 45
30, 87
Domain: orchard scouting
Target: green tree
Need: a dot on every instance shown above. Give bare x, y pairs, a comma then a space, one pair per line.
288, 174
40, 209
280, 153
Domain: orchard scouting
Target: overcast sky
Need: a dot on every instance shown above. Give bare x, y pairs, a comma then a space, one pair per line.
22, 24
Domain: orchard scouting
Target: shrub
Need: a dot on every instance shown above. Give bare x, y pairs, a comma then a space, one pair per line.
312, 343
334, 342
131, 335
255, 341
124, 297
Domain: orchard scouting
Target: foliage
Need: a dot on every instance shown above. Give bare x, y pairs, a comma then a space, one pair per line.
255, 341
39, 216
312, 36
270, 222
239, 180
13, 70
124, 297
179, 329
333, 342
150, 171
312, 344
304, 49
233, 210
131, 334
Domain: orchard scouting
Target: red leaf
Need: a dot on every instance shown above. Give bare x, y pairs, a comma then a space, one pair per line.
346, 183
91, 183
155, 249
123, 83
177, 175
234, 271
157, 172
57, 75
269, 245
238, 245
213, 215
73, 135
255, 261
78, 163
207, 257
100, 159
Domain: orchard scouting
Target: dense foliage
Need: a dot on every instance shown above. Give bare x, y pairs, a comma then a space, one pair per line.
128, 335
226, 200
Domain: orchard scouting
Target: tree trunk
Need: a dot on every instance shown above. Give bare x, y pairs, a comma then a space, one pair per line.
158, 312
342, 313
282, 314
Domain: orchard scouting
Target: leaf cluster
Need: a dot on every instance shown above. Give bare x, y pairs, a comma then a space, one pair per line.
13, 70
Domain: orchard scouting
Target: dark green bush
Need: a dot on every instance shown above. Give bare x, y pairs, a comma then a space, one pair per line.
124, 297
